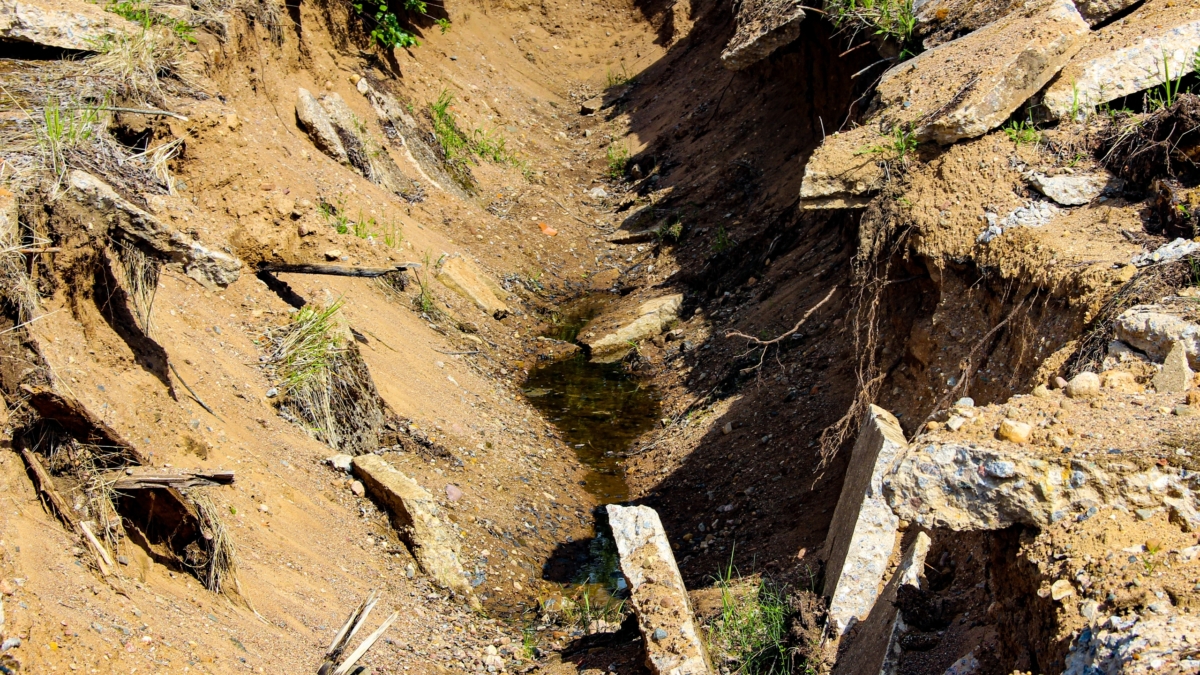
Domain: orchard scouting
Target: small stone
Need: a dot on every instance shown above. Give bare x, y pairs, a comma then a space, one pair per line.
955, 423
333, 254
1144, 514
1001, 468
263, 507
1084, 385
1175, 376
6, 587
341, 462
727, 429
1061, 589
965, 402
410, 571
453, 493
357, 488
1089, 609
123, 560
932, 426
1012, 430
660, 634
272, 392
1060, 383
1184, 411
1042, 391
597, 193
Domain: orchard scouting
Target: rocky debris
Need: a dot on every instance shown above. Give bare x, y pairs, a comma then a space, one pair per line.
650, 319
659, 598
1171, 252
417, 517
876, 647
1034, 214
1097, 11
863, 531
1136, 644
315, 121
606, 100
967, 87
363, 152
63, 24
762, 27
1156, 329
1125, 58
843, 172
1175, 376
212, 268
1072, 190
461, 276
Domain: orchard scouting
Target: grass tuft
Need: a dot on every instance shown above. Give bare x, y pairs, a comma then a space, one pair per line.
752, 628
889, 19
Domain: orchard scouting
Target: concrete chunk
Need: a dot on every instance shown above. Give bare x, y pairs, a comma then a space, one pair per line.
125, 219
650, 318
417, 517
462, 277
762, 27
660, 600
1127, 57
863, 531
876, 648
844, 170
1175, 376
64, 24
315, 121
1154, 329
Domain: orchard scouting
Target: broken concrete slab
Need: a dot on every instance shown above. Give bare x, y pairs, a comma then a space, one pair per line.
461, 276
618, 332
762, 27
1155, 329
364, 151
316, 123
1069, 190
844, 170
417, 517
863, 531
876, 648
1098, 11
1125, 58
1175, 376
63, 24
127, 220
656, 590
1130, 644
967, 87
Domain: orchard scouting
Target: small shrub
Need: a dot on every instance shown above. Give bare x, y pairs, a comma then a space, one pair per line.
387, 31
721, 240
890, 19
1022, 132
143, 14
616, 157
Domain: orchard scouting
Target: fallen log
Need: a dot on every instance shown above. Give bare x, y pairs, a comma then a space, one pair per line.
146, 481
78, 421
45, 486
333, 270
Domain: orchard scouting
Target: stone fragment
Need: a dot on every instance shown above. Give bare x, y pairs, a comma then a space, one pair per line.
844, 171
762, 27
876, 647
1170, 252
1155, 329
417, 517
1012, 430
660, 600
863, 531
1061, 589
650, 319
453, 493
968, 664
365, 153
1096, 11
101, 204
341, 462
357, 488
1126, 57
461, 276
334, 254
1084, 385
1071, 190
315, 121
1183, 513
1042, 391
1120, 380
1136, 644
62, 24
1175, 376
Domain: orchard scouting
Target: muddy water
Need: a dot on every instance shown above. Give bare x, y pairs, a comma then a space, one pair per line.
598, 408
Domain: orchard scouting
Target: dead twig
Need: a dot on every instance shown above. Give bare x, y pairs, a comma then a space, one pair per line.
195, 396
766, 344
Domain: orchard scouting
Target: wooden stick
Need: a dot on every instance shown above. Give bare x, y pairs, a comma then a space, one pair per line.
45, 485
366, 645
146, 481
105, 561
343, 635
193, 393
333, 270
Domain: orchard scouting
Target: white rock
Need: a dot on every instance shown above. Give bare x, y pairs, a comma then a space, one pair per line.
319, 127
341, 462
64, 24
1167, 253
1154, 329
1084, 385
1070, 190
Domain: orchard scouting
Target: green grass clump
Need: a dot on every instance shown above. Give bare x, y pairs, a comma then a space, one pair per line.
1022, 132
460, 148
752, 628
304, 353
899, 145
617, 79
615, 159
63, 129
890, 19
138, 12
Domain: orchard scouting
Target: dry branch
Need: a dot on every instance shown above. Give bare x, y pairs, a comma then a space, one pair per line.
766, 344
334, 270
146, 481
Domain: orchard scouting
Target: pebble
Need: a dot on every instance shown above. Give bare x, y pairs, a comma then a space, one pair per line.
1017, 432
727, 429
453, 493
341, 462
272, 392
333, 254
263, 507
955, 423
1061, 589
1084, 385
357, 488
660, 634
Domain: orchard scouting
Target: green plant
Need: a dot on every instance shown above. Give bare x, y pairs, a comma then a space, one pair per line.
721, 240
387, 31
335, 214
672, 230
424, 302
528, 642
1022, 132
304, 353
615, 79
901, 143
143, 14
888, 19
393, 236
751, 629
616, 157
63, 129
444, 25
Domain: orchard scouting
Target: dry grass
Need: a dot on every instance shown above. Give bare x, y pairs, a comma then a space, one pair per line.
219, 567
140, 273
144, 66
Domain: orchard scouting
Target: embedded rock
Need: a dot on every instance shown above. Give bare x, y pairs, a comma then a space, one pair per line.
762, 27
364, 152
969, 86
64, 24
1124, 645
1097, 11
659, 598
863, 531
416, 516
127, 220
650, 319
1126, 57
1071, 190
315, 121
845, 170
461, 276
1012, 430
1175, 376
1084, 385
1154, 329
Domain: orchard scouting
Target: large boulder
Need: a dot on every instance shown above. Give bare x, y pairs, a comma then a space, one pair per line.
125, 220
1134, 54
762, 27
417, 517
656, 590
316, 123
1154, 330
63, 24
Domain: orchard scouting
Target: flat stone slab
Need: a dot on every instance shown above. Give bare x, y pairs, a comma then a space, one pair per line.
1126, 57
618, 330
863, 532
205, 265
659, 598
844, 170
461, 276
418, 519
1175, 376
1069, 190
762, 27
316, 123
876, 648
64, 24
1154, 330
